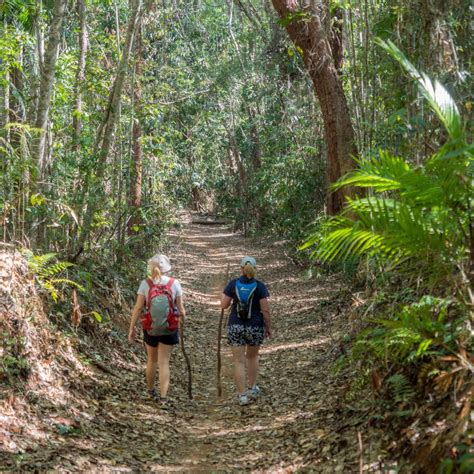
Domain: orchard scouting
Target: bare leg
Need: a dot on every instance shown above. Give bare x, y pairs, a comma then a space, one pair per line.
151, 363
238, 354
164, 354
252, 364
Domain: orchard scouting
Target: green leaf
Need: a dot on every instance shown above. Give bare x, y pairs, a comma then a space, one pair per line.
97, 316
36, 199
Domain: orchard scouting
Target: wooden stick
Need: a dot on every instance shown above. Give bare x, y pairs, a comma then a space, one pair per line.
219, 363
188, 362
361, 453
219, 337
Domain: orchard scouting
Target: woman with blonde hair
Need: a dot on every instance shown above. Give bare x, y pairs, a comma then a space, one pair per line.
162, 298
249, 323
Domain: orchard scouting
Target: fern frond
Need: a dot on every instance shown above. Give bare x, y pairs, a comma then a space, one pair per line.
401, 388
52, 290
427, 371
37, 262
54, 269
66, 281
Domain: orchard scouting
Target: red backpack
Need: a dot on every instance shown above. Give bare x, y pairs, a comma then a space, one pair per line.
160, 317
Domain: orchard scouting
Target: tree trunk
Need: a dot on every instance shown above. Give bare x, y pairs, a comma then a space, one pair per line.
47, 81
39, 34
5, 108
136, 174
4, 96
236, 162
106, 131
256, 153
309, 34
337, 27
16, 108
80, 74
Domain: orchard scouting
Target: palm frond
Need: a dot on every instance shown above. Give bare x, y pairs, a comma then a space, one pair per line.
434, 92
381, 173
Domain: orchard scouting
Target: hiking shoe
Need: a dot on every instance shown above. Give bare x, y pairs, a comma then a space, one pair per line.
254, 392
243, 400
153, 394
166, 403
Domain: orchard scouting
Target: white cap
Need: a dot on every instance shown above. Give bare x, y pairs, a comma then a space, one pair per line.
250, 260
163, 262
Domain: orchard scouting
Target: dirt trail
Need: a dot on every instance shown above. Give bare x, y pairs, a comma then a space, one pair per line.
286, 428
86, 418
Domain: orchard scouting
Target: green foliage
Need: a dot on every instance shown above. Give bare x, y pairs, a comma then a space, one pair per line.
47, 273
435, 93
463, 463
13, 366
413, 218
417, 330
12, 363
401, 388
295, 16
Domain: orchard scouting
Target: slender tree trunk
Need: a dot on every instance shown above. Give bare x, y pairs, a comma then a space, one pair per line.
16, 108
47, 81
5, 108
80, 74
256, 153
257, 210
136, 174
236, 163
106, 131
309, 34
39, 34
4, 96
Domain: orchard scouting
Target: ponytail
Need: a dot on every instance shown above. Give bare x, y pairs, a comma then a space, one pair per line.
156, 273
154, 268
249, 271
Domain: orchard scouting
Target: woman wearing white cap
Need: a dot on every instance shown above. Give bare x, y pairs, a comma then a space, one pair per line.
162, 297
249, 323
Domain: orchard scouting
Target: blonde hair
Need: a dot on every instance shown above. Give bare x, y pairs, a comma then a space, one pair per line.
249, 271
154, 268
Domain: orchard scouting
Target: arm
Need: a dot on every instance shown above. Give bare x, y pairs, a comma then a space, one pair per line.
180, 306
265, 308
225, 301
135, 315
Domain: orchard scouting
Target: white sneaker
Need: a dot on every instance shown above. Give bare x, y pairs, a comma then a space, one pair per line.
253, 392
243, 400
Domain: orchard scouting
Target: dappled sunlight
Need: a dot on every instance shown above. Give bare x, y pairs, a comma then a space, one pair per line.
294, 345
117, 425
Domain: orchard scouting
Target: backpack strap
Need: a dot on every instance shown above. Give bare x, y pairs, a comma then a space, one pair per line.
237, 290
170, 283
150, 286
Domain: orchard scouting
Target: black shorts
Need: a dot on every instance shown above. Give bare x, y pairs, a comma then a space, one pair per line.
168, 339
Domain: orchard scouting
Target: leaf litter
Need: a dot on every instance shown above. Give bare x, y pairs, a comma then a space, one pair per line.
71, 414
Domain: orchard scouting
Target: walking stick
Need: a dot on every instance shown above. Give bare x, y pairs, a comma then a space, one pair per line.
188, 362
219, 337
219, 363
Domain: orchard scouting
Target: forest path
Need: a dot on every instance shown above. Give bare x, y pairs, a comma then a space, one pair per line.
85, 409
292, 425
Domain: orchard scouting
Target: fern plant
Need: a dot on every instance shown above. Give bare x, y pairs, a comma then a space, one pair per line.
402, 389
47, 272
416, 331
416, 219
